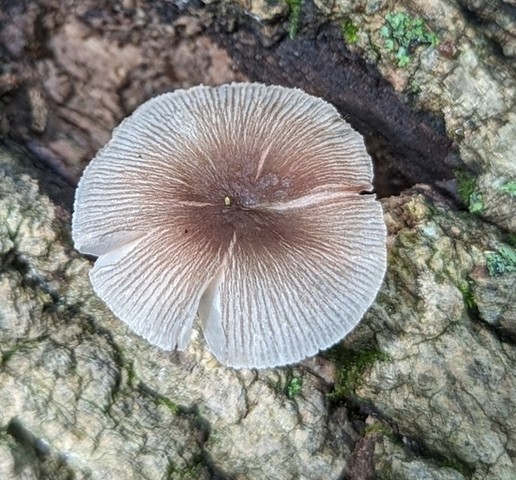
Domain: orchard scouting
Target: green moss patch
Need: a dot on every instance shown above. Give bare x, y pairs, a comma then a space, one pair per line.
349, 31
351, 367
467, 294
403, 33
502, 261
294, 386
466, 188
509, 188
294, 17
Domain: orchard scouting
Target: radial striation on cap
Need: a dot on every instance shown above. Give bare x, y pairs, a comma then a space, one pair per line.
244, 204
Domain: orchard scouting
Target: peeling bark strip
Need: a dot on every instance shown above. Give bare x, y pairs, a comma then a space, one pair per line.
318, 62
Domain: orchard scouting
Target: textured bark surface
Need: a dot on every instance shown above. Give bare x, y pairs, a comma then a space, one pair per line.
423, 388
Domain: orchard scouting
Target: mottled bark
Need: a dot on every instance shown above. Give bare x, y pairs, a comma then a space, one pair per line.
423, 388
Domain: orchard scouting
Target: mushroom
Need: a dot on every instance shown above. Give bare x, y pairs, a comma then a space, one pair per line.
246, 204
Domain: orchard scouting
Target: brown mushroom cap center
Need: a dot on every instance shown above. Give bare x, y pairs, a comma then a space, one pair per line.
239, 204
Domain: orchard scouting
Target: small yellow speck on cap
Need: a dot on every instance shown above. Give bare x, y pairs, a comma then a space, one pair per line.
227, 201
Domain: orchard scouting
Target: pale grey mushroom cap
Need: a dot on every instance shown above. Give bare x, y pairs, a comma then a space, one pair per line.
241, 203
